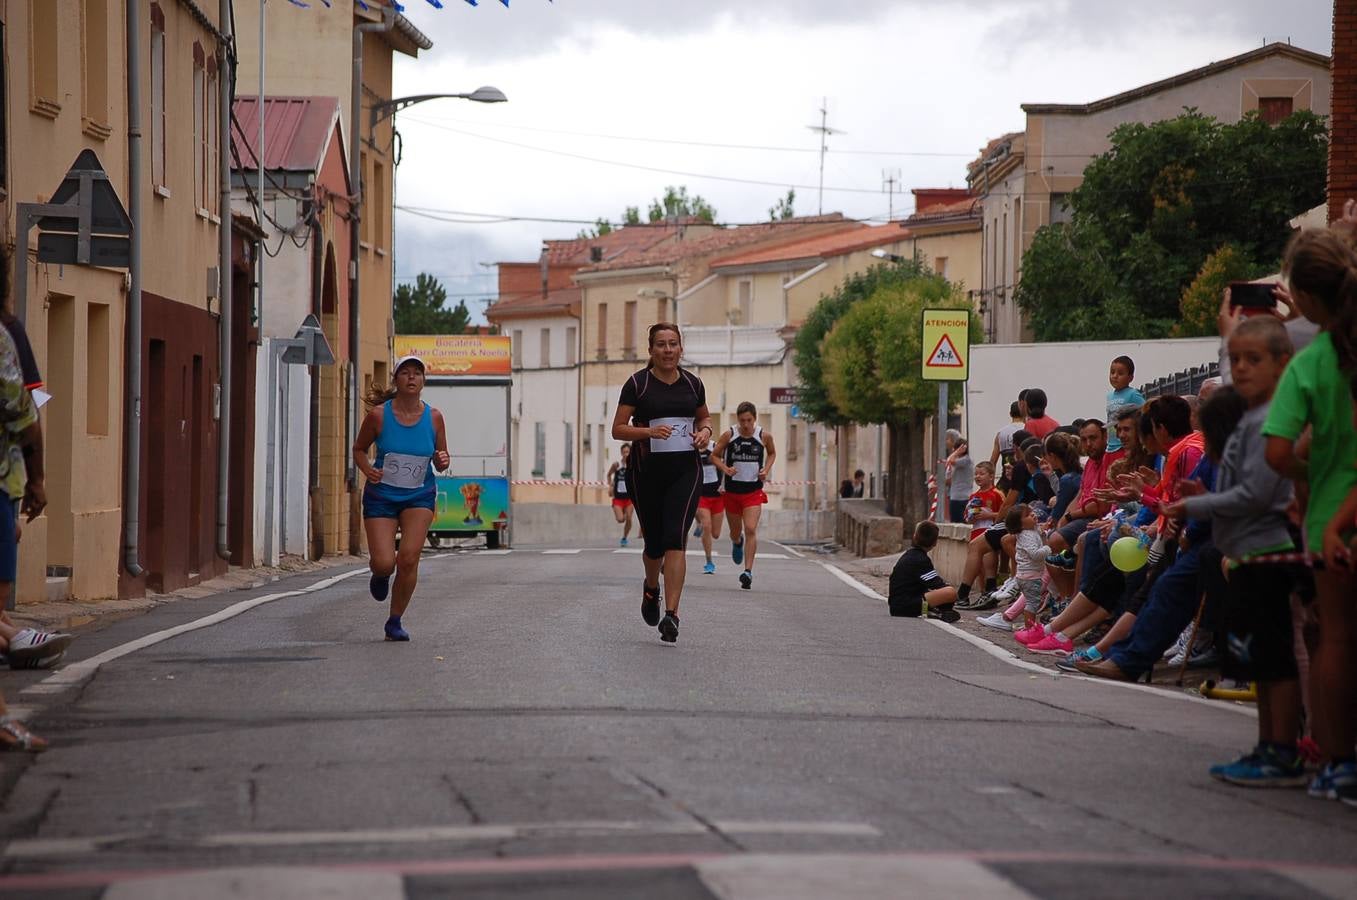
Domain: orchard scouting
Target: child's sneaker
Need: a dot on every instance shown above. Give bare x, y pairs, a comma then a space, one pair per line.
1052, 645
996, 620
1030, 635
1333, 778
1262, 768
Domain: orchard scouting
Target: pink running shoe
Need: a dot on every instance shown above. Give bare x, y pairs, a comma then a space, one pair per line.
1030, 635
1052, 645
1014, 611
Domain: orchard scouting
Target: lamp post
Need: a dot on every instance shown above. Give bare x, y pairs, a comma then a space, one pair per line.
388, 108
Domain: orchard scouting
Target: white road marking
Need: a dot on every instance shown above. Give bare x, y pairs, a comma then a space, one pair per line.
261, 883
489, 552
811, 877
80, 672
560, 552
851, 581
626, 551
792, 550
38, 848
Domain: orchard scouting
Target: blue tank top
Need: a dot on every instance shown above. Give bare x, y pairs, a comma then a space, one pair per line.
415, 440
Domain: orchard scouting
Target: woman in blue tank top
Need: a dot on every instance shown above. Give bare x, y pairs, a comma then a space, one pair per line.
411, 442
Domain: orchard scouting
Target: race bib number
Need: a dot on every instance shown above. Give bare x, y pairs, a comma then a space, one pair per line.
401, 470
621, 485
680, 439
709, 475
747, 471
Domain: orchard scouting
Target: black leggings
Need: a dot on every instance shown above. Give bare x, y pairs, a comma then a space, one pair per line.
665, 488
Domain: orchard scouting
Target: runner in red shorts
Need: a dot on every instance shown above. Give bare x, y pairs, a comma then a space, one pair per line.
710, 506
746, 454
619, 490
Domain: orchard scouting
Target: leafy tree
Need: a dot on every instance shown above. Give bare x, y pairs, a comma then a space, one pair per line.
860, 361
419, 309
784, 209
1200, 303
676, 204
1153, 208
631, 215
601, 227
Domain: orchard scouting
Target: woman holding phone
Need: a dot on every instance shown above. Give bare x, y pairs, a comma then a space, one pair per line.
411, 441
663, 411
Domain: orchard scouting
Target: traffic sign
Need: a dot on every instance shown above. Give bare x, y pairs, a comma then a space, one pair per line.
946, 344
795, 411
64, 250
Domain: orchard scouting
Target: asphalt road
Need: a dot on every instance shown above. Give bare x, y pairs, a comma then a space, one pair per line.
537, 739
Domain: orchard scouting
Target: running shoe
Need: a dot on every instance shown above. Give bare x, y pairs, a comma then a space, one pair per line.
1030, 635
1179, 646
669, 628
30, 644
1333, 778
1052, 645
709, 568
1262, 768
650, 604
41, 662
1083, 654
697, 531
746, 579
970, 602
623, 542
988, 601
737, 552
1062, 560
394, 631
946, 613
996, 620
1203, 654
379, 586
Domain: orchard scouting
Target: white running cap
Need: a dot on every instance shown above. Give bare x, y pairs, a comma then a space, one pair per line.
411, 358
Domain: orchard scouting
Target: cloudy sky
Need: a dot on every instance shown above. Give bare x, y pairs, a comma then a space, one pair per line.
612, 100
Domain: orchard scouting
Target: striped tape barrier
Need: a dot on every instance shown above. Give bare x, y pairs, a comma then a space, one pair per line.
547, 482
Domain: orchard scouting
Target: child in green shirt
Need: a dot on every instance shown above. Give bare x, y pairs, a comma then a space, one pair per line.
1314, 395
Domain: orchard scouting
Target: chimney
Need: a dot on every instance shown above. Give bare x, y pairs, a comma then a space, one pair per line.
1343, 121
545, 270
595, 254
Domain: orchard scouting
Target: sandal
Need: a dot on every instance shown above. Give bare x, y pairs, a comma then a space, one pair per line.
16, 738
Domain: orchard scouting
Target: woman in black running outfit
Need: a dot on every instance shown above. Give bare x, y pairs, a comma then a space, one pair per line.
663, 412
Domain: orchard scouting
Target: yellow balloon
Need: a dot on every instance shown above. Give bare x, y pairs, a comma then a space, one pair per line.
1128, 555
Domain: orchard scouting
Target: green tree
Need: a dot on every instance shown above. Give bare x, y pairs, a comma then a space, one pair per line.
601, 227
419, 309
785, 208
1200, 303
677, 204
1153, 208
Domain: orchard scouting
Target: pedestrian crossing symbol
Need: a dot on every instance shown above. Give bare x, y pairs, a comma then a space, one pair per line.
946, 342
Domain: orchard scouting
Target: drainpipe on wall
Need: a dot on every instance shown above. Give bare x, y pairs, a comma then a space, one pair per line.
317, 518
132, 375
356, 213
225, 308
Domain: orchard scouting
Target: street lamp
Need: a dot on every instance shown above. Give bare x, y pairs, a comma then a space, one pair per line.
893, 257
388, 108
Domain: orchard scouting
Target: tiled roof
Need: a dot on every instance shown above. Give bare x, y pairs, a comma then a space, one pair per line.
819, 246
1275, 49
727, 239
614, 245
1000, 146
965, 208
297, 131
511, 305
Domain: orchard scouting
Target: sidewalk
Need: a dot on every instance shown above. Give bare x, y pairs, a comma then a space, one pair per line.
875, 572
65, 615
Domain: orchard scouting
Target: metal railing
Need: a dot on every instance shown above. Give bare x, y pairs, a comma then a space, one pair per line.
1184, 383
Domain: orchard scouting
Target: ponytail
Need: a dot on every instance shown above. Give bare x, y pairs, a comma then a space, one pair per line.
377, 395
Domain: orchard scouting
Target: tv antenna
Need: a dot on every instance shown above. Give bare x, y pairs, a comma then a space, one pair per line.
889, 179
825, 131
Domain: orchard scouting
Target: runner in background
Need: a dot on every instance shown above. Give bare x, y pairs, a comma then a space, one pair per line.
618, 490
663, 411
745, 453
400, 492
710, 507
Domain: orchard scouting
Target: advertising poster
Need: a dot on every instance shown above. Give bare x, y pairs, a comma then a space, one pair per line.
470, 504
458, 354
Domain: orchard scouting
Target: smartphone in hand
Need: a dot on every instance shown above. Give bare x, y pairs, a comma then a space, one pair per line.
1253, 298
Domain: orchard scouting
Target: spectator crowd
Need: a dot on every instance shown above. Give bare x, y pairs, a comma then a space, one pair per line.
1209, 530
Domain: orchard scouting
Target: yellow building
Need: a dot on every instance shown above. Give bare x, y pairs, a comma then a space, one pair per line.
66, 92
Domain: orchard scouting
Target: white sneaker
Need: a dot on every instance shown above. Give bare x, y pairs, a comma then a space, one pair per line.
996, 620
30, 644
1008, 590
1178, 646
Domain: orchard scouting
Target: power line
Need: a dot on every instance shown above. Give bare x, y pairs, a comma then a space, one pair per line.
453, 217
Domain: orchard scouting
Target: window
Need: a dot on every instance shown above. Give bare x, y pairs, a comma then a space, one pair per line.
546, 349
793, 442
159, 123
365, 190
662, 310
4, 106
1274, 109
570, 338
212, 152
200, 177
516, 348
97, 374
629, 331
539, 449
42, 57
745, 309
601, 346
569, 470
1060, 209
379, 205
940, 265
94, 68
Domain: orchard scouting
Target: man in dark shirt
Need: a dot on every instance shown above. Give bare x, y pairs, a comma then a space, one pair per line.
916, 587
